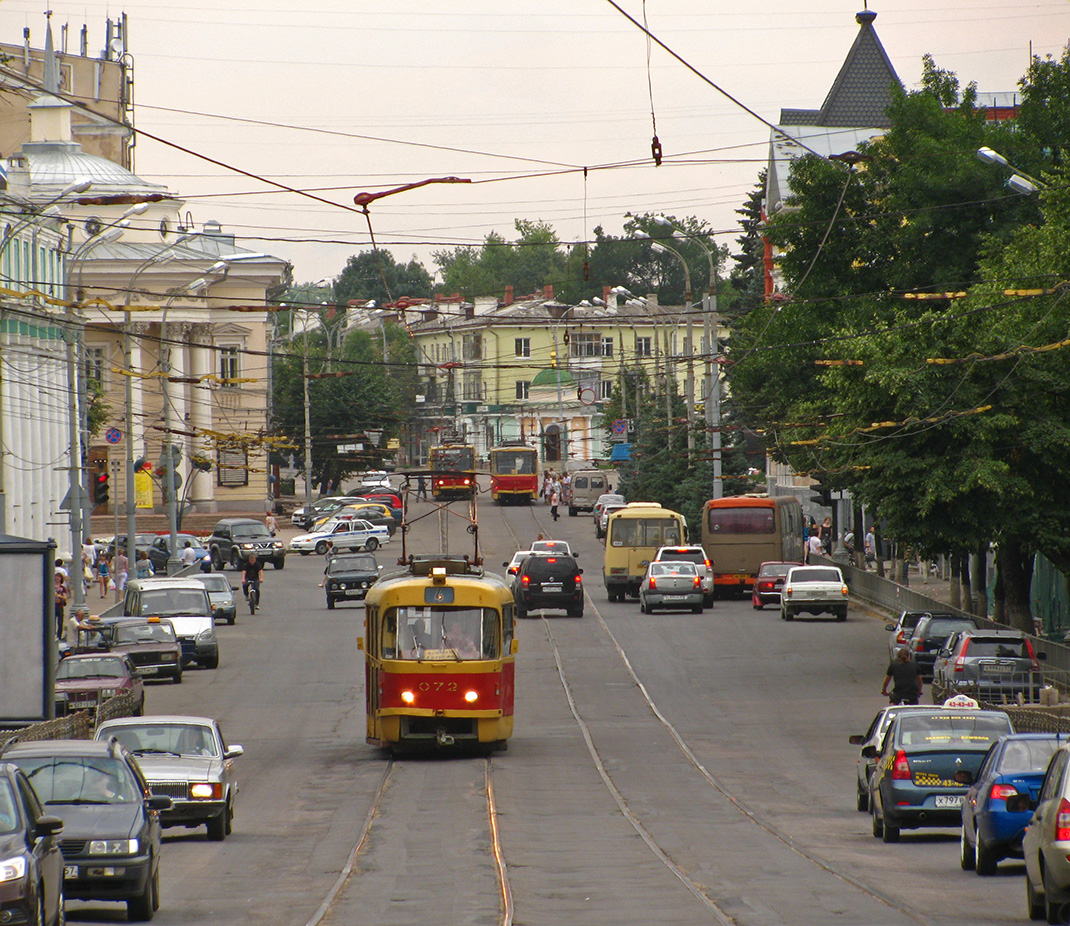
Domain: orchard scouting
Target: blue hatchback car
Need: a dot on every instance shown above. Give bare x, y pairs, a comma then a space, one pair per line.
1014, 765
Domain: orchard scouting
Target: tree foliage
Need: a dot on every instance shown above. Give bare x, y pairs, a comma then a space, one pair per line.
376, 275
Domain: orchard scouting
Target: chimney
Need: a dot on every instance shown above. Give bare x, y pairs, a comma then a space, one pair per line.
607, 296
548, 291
508, 300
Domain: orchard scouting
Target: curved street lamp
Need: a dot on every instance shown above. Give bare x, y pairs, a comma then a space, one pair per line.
1019, 181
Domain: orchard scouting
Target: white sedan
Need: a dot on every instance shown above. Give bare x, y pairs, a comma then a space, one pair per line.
355, 534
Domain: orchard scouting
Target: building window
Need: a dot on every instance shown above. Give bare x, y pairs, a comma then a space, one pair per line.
605, 389
522, 347
642, 347
95, 365
233, 467
591, 345
472, 388
228, 366
523, 389
472, 345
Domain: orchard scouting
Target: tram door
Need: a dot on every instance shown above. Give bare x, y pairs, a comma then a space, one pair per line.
372, 665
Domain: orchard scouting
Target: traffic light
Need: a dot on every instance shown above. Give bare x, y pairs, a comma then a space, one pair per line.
100, 488
822, 494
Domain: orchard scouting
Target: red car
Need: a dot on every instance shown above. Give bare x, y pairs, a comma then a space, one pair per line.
769, 582
84, 680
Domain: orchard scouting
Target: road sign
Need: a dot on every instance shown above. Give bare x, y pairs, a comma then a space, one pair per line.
620, 426
113, 435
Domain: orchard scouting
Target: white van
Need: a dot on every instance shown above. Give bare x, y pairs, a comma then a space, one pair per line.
587, 485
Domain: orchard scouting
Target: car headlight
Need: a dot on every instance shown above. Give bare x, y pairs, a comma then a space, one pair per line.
12, 869
113, 846
206, 636
61, 696
169, 657
341, 585
246, 546
206, 790
108, 692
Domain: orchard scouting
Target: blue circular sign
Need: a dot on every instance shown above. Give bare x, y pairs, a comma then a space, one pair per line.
113, 435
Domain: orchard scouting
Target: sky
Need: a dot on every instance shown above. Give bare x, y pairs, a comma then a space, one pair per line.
517, 97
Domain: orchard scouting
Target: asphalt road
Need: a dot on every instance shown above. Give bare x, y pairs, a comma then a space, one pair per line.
669, 768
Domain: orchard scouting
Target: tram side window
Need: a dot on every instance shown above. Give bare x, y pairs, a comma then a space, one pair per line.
389, 636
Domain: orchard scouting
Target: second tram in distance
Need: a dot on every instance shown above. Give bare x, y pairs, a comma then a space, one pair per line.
514, 474
453, 471
440, 653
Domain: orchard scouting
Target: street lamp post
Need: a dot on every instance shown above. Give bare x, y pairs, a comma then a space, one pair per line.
660, 248
1019, 181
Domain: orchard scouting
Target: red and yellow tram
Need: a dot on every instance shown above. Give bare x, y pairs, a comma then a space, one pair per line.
453, 469
514, 473
440, 651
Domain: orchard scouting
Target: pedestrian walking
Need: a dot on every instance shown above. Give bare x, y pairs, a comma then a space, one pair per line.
62, 595
813, 547
272, 524
143, 566
104, 573
825, 533
554, 499
421, 488
122, 569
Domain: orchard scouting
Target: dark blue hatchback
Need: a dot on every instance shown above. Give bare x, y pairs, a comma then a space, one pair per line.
1014, 765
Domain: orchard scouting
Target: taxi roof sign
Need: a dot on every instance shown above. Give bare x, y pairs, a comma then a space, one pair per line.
961, 701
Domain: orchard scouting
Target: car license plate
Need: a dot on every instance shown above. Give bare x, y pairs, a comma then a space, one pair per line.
354, 591
70, 871
149, 670
674, 598
997, 670
949, 800
551, 588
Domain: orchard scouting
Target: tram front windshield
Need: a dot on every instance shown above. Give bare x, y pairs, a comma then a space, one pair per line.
514, 464
440, 633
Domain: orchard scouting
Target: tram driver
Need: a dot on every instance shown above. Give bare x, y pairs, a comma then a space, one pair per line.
456, 637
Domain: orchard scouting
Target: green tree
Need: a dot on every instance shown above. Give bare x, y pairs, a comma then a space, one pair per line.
376, 275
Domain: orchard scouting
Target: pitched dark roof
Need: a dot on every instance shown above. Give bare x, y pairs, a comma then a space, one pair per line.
862, 91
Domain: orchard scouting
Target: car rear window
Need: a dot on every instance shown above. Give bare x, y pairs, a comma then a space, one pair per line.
550, 565
1008, 649
683, 556
774, 569
669, 568
816, 574
1024, 756
938, 731
942, 627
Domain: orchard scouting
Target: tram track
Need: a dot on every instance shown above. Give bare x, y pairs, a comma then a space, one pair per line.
384, 878
757, 819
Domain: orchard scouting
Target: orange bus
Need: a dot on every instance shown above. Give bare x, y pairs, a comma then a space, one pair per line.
741, 532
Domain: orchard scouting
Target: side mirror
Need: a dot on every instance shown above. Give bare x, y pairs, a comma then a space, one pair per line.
233, 752
159, 802
506, 565
580, 571
1019, 803
857, 740
889, 627
869, 752
47, 825
964, 776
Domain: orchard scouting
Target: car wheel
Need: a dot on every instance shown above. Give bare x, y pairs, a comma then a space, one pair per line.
217, 560
235, 560
787, 615
571, 511
575, 612
521, 613
233, 617
217, 828
642, 606
139, 711
841, 615
140, 909
985, 859
861, 801
967, 859
304, 552
330, 604
279, 563
891, 833
229, 827
1034, 901
697, 609
177, 677
212, 663
878, 823
372, 544
321, 548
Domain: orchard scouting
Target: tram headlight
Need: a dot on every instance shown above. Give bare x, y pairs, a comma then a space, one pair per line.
471, 696
408, 697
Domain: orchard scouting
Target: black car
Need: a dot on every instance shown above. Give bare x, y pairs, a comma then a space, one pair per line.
150, 642
928, 637
548, 582
159, 551
31, 866
349, 576
111, 828
235, 538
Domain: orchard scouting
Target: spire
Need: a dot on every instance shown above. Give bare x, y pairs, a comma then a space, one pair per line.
50, 81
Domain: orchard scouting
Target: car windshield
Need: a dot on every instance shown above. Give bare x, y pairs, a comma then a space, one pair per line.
816, 574
440, 633
939, 628
145, 633
175, 601
216, 583
672, 569
93, 667
182, 739
81, 779
9, 819
1003, 648
962, 731
1021, 757
251, 532
352, 564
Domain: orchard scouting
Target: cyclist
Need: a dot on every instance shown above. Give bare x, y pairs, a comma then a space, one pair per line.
252, 574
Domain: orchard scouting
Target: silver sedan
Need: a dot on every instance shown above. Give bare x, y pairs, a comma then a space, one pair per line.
671, 585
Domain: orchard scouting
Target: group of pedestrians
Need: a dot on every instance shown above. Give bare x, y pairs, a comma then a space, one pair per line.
554, 490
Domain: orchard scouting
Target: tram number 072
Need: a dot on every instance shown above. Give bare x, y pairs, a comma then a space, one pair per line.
438, 686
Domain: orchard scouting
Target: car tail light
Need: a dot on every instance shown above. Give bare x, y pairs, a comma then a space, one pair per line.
843, 590
525, 580
579, 579
1032, 656
1062, 821
919, 647
960, 663
698, 582
900, 767
653, 582
709, 565
787, 590
1000, 792
900, 637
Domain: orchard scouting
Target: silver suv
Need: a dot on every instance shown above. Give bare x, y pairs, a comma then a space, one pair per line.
995, 664
693, 554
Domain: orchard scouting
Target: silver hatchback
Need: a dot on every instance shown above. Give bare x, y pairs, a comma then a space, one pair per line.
1046, 843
